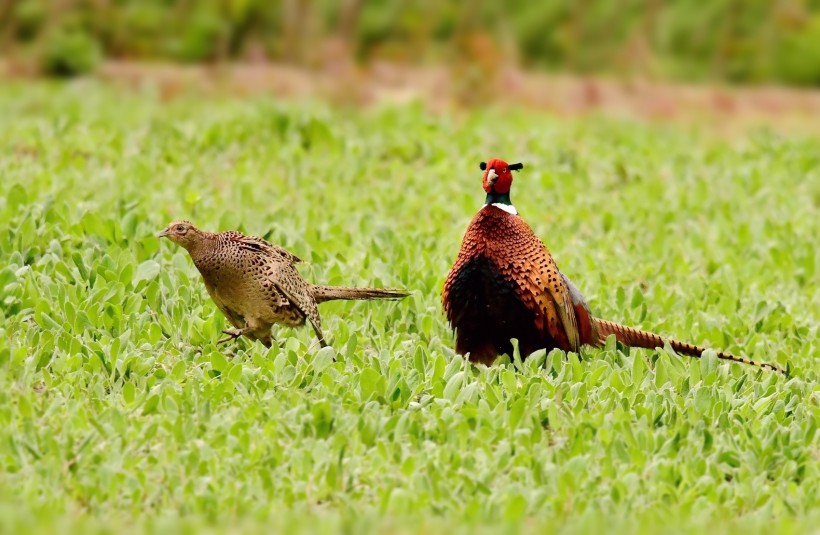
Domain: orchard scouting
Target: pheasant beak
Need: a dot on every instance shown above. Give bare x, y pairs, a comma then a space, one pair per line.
162, 233
492, 176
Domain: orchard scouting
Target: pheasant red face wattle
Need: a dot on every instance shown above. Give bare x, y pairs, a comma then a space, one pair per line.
498, 176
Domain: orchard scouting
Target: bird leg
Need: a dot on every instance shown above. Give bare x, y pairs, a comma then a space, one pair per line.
318, 330
233, 334
267, 338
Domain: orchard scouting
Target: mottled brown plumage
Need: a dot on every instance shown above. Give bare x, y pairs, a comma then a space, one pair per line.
505, 284
255, 283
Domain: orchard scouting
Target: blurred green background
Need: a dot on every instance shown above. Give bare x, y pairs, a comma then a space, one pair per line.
738, 41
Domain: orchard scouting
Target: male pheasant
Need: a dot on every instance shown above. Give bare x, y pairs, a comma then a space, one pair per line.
505, 284
255, 283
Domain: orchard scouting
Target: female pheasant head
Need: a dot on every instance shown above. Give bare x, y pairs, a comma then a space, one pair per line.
497, 182
182, 233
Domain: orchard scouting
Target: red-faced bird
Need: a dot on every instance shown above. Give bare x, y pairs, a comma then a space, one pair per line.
505, 284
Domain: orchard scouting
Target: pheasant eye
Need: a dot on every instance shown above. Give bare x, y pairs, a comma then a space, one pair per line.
180, 229
504, 170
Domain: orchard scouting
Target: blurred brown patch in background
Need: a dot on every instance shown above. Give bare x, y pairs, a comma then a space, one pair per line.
724, 109
726, 61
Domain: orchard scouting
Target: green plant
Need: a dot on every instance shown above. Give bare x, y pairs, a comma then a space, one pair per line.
118, 411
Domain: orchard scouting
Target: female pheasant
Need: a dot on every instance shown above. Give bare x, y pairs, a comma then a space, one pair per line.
255, 283
505, 284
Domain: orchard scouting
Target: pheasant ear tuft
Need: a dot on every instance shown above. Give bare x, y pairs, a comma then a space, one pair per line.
516, 167
483, 166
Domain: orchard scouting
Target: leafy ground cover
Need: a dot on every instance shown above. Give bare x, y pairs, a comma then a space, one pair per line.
118, 411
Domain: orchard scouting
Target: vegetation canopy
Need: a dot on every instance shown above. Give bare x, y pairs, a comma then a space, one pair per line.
118, 409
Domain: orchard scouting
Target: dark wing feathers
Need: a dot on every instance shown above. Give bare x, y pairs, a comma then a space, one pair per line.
521, 258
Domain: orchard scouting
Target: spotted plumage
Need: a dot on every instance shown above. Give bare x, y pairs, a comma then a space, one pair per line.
255, 284
505, 284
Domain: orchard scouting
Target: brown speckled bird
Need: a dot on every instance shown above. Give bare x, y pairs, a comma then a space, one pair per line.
256, 284
505, 284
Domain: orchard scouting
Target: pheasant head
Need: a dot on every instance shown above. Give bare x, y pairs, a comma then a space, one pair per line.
497, 182
498, 175
182, 233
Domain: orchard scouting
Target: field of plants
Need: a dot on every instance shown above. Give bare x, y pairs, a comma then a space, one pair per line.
119, 412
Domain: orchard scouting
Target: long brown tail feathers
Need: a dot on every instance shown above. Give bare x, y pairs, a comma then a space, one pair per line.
632, 337
330, 293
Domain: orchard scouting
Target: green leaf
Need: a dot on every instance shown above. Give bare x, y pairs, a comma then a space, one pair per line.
661, 371
148, 270
708, 363
453, 386
235, 373
16, 196
639, 368
516, 508
128, 393
372, 383
218, 362
516, 413
323, 359
151, 405
703, 400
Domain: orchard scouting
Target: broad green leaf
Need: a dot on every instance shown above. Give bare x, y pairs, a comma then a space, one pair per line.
146, 271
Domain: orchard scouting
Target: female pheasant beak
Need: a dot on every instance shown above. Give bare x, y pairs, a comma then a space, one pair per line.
163, 233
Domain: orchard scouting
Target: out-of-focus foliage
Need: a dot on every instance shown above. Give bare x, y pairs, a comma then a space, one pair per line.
733, 40
68, 52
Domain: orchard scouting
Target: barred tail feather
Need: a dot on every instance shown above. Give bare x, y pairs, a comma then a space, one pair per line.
330, 293
632, 337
